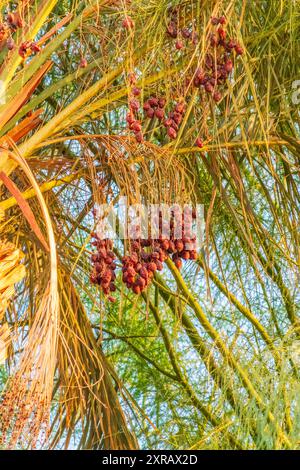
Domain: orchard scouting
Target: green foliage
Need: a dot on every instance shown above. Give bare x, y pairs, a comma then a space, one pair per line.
208, 358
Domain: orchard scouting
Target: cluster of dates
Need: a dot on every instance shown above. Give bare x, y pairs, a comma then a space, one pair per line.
13, 22
27, 48
218, 61
145, 256
174, 119
182, 35
9, 27
133, 122
140, 265
217, 65
154, 107
104, 266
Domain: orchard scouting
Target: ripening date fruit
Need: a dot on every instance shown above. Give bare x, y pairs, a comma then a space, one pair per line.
83, 63
199, 143
136, 91
134, 104
128, 23
186, 33
27, 48
215, 21
239, 50
10, 43
217, 96
15, 20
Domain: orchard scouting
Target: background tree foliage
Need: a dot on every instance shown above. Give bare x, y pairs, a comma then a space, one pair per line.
208, 357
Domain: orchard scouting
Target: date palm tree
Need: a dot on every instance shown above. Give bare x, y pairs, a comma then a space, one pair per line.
208, 355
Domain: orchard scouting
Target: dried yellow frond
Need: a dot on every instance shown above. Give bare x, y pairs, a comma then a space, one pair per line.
11, 272
4, 342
